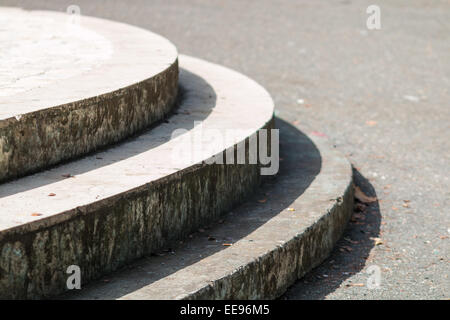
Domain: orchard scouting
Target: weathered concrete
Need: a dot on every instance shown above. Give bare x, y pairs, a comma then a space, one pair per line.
130, 200
285, 230
347, 76
72, 88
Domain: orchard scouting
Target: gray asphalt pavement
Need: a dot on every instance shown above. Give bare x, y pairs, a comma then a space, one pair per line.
381, 96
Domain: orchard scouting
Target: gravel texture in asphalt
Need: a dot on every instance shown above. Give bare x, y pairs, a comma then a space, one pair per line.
382, 96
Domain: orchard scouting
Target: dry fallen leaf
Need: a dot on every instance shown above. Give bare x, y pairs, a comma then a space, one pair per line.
35, 214
361, 196
355, 285
377, 241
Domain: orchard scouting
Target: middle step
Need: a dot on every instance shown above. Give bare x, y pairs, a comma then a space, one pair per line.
108, 209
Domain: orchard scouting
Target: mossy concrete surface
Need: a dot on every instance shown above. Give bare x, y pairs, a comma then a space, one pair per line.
259, 249
103, 211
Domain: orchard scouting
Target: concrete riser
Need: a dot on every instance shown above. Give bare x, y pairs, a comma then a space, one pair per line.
107, 235
42, 139
269, 276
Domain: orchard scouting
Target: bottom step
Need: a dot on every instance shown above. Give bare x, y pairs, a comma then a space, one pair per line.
260, 248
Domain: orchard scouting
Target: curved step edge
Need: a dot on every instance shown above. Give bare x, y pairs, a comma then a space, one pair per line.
273, 242
263, 264
68, 118
127, 206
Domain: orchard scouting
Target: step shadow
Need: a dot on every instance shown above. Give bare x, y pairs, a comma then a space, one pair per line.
300, 163
140, 142
350, 255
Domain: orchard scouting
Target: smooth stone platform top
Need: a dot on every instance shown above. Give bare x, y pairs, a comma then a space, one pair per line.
36, 50
56, 58
70, 85
221, 98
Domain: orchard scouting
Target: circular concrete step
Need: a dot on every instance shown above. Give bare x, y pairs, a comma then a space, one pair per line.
260, 248
72, 84
105, 210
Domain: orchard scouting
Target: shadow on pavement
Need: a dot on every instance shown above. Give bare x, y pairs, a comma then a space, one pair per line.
350, 254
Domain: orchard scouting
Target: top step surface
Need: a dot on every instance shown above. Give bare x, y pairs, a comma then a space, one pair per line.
70, 84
